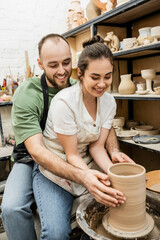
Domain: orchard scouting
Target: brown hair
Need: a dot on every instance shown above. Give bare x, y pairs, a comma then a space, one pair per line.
94, 49
53, 36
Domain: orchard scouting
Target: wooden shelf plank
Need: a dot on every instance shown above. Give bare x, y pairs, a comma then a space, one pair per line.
136, 96
6, 151
149, 147
139, 51
130, 11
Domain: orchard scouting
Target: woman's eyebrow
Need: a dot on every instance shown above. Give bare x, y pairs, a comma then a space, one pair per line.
96, 74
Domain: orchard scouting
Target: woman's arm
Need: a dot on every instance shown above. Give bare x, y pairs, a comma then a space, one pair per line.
69, 144
112, 147
98, 151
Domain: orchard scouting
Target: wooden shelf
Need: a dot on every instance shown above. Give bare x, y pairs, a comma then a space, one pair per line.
149, 147
136, 97
5, 152
139, 51
119, 16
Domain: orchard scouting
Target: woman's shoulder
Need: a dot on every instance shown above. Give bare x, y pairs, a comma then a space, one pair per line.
68, 93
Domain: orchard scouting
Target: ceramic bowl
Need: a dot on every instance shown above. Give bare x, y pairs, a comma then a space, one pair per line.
157, 90
155, 32
148, 73
118, 122
131, 124
144, 127
154, 131
126, 134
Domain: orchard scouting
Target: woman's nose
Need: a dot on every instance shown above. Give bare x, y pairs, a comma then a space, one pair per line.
101, 83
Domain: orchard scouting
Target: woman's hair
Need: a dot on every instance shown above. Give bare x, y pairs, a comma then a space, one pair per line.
93, 49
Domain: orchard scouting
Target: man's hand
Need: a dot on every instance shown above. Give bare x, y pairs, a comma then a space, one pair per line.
96, 183
120, 157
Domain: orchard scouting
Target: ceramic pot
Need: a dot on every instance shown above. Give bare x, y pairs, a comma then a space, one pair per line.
120, 2
155, 33
126, 86
149, 75
129, 218
145, 36
118, 122
129, 43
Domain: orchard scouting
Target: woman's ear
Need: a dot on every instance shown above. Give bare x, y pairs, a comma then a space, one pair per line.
40, 63
79, 73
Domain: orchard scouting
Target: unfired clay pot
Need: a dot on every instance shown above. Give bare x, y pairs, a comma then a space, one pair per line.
145, 36
120, 2
126, 86
129, 219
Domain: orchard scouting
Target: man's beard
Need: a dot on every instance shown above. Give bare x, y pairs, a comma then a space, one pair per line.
54, 84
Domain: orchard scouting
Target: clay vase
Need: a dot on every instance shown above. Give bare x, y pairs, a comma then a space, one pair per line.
126, 86
129, 218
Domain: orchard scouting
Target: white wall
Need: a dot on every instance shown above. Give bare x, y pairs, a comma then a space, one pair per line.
22, 24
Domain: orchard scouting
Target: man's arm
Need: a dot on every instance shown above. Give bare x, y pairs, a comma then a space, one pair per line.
88, 178
112, 147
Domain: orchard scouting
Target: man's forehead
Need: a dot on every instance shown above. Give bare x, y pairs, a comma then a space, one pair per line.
55, 50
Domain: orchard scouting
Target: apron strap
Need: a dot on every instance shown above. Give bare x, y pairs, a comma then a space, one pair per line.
45, 100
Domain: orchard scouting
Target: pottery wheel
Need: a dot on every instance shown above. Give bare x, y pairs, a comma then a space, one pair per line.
128, 235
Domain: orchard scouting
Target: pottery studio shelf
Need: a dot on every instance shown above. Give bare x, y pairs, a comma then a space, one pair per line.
149, 147
139, 51
119, 16
5, 153
153, 97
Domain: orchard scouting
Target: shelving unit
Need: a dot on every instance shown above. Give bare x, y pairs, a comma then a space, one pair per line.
5, 151
125, 21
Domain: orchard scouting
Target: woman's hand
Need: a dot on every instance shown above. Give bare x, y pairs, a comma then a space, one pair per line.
120, 157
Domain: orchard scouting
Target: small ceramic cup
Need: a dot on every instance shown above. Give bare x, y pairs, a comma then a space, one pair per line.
141, 86
129, 43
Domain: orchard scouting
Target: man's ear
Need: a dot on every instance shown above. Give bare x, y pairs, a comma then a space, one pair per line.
40, 63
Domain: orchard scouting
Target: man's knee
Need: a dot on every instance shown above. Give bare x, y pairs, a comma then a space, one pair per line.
56, 233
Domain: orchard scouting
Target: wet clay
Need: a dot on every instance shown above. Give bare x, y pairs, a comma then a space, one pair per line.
129, 220
154, 235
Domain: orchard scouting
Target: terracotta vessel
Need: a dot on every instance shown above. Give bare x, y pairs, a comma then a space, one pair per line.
126, 86
145, 36
75, 15
104, 6
129, 220
149, 75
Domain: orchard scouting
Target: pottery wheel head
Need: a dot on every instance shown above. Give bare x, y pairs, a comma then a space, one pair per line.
128, 235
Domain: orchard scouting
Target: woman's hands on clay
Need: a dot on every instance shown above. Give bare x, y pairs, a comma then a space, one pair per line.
120, 157
98, 185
